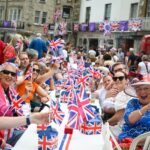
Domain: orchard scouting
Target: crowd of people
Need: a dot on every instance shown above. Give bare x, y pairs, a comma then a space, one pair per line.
30, 70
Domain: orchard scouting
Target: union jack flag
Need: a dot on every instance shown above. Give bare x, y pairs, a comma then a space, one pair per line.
64, 96
82, 80
58, 115
16, 102
29, 72
55, 44
93, 126
78, 110
46, 142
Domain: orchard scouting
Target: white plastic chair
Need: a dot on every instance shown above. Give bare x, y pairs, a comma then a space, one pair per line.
135, 142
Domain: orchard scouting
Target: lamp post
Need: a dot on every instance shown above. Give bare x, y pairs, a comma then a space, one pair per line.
6, 9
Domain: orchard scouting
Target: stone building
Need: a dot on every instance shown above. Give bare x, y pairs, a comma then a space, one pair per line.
25, 16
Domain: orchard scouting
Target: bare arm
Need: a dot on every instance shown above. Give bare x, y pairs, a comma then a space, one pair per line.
116, 117
136, 115
12, 122
42, 78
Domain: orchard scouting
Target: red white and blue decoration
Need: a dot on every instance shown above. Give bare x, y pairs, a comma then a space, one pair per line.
62, 28
47, 139
107, 28
91, 127
135, 24
58, 114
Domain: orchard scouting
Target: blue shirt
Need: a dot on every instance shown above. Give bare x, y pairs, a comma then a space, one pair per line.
140, 127
39, 45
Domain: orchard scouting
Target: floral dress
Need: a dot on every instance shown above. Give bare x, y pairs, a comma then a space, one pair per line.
140, 127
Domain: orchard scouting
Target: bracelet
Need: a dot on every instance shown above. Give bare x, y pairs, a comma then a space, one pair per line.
28, 122
140, 112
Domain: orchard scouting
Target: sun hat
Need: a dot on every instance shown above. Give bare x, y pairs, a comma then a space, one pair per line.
130, 89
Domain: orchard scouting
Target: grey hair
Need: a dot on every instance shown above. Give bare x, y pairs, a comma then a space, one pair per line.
31, 53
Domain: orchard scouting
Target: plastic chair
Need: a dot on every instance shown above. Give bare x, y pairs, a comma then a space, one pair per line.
135, 142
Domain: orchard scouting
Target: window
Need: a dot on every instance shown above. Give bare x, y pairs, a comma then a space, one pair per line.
88, 11
1, 13
133, 11
40, 17
44, 17
15, 14
37, 17
148, 9
107, 12
66, 12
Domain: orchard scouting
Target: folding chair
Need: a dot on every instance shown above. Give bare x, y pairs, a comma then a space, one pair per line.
135, 142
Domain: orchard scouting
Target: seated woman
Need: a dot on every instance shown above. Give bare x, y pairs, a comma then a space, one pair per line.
121, 80
28, 88
107, 94
137, 112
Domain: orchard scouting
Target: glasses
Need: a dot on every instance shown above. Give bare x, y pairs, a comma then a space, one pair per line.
7, 72
120, 78
36, 70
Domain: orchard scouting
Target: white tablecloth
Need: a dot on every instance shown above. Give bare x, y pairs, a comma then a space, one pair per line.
78, 141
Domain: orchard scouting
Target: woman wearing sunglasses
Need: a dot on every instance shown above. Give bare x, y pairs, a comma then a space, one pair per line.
7, 79
121, 80
137, 112
29, 87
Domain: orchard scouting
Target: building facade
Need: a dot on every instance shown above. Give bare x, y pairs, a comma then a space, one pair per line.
25, 16
113, 13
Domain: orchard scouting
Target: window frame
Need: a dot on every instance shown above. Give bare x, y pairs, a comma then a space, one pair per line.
107, 15
131, 10
12, 16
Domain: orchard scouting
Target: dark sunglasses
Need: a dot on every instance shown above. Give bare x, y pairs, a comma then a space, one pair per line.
37, 70
13, 74
120, 78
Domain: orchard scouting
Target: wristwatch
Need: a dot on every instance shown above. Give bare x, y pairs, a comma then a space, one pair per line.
28, 122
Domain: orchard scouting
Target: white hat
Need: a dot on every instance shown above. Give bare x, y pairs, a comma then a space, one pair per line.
130, 89
38, 34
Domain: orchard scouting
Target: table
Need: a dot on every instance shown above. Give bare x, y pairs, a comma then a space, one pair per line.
78, 141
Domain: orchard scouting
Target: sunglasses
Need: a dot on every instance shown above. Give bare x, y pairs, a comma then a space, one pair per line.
120, 78
13, 74
37, 70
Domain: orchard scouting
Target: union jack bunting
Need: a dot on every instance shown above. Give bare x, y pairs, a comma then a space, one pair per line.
78, 110
114, 26
93, 126
55, 44
62, 28
57, 14
16, 102
47, 140
45, 28
101, 26
107, 28
135, 24
76, 27
58, 114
